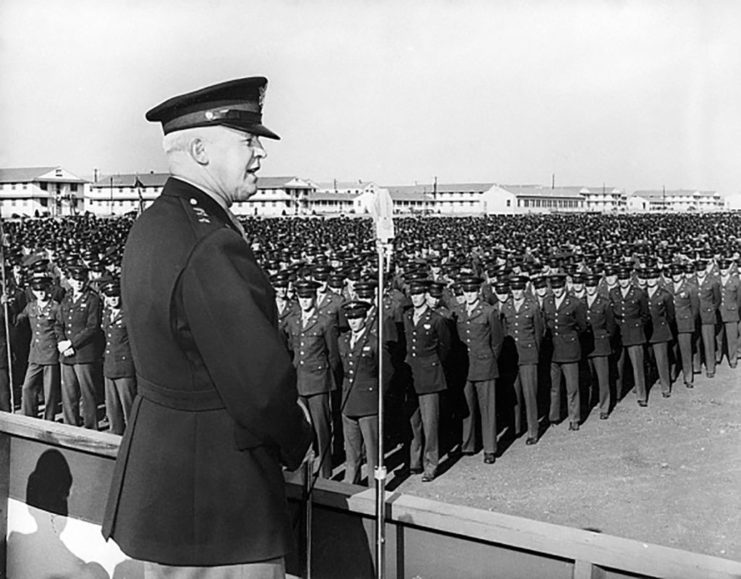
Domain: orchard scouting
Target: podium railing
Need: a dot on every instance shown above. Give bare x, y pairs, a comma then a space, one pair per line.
423, 538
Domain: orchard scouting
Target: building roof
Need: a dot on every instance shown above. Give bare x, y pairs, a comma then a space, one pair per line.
541, 191
331, 196
462, 187
419, 193
343, 185
152, 179
661, 195
31, 174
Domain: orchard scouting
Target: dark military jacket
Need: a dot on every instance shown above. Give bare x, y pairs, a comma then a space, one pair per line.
708, 291
730, 299
565, 323
360, 369
601, 327
482, 334
330, 304
117, 360
44, 336
428, 345
79, 321
631, 314
525, 326
315, 355
686, 306
661, 307
216, 412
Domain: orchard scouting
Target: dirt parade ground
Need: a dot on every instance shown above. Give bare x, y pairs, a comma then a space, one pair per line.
668, 474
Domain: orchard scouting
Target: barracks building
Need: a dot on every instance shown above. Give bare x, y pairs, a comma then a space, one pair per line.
55, 191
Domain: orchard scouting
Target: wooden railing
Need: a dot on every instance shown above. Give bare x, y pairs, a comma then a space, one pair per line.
424, 538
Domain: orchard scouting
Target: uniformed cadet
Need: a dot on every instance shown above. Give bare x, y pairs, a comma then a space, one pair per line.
730, 304
328, 302
216, 413
565, 321
283, 303
708, 291
77, 327
118, 365
541, 289
480, 329
661, 328
686, 313
428, 343
359, 353
523, 323
630, 305
312, 337
599, 339
43, 357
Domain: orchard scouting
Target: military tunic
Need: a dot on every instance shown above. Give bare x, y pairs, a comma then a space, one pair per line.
198, 478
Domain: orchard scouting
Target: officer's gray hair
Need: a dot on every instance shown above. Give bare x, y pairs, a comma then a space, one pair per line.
179, 141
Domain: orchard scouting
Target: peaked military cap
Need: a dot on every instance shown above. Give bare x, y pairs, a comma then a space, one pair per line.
418, 286
78, 272
435, 289
321, 272
336, 280
518, 282
305, 288
625, 273
470, 282
40, 280
280, 279
558, 280
502, 287
365, 288
236, 104
591, 279
355, 309
111, 287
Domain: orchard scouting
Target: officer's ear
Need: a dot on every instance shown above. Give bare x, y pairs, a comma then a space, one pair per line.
197, 150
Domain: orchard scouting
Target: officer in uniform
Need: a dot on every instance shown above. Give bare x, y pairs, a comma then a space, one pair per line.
43, 357
480, 329
118, 366
661, 308
428, 344
217, 413
312, 337
708, 291
524, 324
359, 354
565, 320
686, 315
77, 327
630, 305
730, 304
599, 338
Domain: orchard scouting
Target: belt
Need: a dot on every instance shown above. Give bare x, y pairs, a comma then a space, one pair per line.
193, 400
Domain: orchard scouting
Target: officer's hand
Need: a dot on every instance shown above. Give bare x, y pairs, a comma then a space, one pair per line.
69, 352
64, 345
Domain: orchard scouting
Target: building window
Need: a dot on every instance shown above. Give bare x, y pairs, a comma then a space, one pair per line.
509, 202
12, 185
25, 185
73, 187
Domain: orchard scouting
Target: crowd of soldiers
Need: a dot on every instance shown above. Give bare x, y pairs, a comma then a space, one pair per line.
486, 322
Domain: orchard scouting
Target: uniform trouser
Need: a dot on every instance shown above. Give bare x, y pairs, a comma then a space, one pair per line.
318, 405
30, 389
727, 336
271, 569
683, 352
424, 452
481, 393
599, 367
635, 353
570, 372
359, 431
78, 382
526, 390
4, 390
707, 337
661, 357
119, 396
738, 348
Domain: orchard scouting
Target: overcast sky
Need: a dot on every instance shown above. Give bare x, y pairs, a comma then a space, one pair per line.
631, 94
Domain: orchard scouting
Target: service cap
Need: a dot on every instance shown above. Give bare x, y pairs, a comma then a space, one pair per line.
355, 309
236, 104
